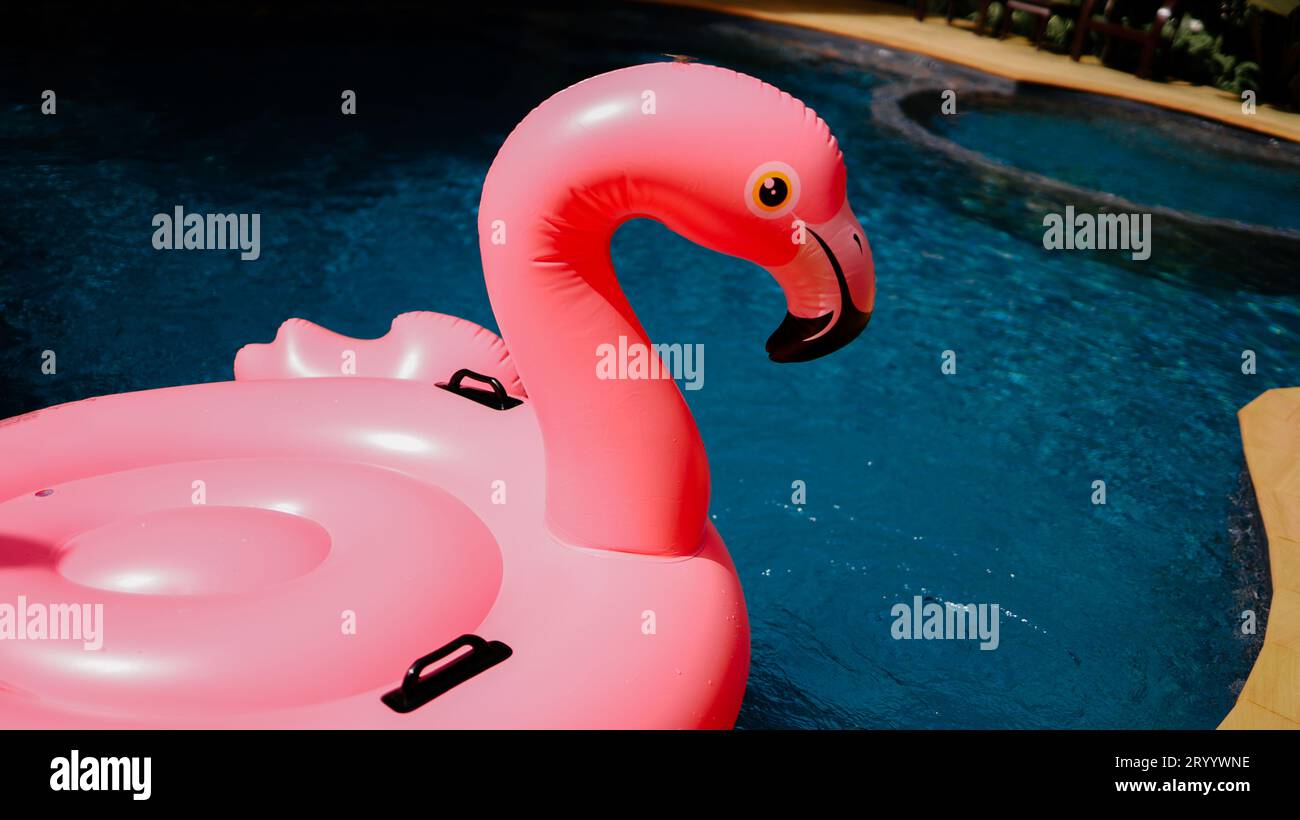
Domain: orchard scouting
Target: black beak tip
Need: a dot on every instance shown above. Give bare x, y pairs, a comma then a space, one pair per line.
790, 342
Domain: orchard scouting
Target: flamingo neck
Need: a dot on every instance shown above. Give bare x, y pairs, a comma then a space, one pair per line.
625, 466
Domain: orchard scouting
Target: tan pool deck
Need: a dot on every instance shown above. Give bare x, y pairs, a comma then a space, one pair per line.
1270, 436
894, 26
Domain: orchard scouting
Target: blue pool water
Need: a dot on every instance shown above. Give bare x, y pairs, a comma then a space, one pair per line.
970, 488
1187, 168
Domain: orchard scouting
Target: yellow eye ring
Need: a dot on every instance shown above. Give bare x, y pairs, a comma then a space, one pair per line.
772, 190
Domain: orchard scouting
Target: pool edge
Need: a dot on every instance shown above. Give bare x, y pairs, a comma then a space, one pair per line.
887, 106
1148, 92
1270, 438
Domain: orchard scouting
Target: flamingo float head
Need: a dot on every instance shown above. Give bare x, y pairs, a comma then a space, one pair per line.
726, 161
769, 186
777, 190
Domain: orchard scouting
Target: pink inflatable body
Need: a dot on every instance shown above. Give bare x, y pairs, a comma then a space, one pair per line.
358, 533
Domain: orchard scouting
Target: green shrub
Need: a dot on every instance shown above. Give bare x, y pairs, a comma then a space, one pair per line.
1220, 57
996, 10
1022, 23
1198, 56
1059, 32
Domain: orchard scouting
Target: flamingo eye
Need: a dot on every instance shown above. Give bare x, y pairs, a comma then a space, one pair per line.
772, 190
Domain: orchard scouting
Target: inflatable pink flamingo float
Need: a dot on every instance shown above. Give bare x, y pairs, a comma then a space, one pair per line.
464, 532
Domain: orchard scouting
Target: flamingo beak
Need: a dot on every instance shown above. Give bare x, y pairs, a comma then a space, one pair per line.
830, 290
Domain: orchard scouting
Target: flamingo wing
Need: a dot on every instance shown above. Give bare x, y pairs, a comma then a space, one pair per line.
421, 345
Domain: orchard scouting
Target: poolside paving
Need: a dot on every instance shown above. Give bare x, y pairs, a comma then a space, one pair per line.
1014, 58
1270, 436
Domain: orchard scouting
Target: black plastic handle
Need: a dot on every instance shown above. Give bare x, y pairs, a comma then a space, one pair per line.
459, 376
412, 679
416, 691
498, 399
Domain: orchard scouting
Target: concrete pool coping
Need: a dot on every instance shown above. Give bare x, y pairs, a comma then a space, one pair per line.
1270, 438
1014, 59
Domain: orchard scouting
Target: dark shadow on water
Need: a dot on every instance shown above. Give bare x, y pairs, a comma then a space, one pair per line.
1249, 551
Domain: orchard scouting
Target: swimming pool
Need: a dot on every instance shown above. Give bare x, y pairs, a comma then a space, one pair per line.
1169, 159
971, 488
